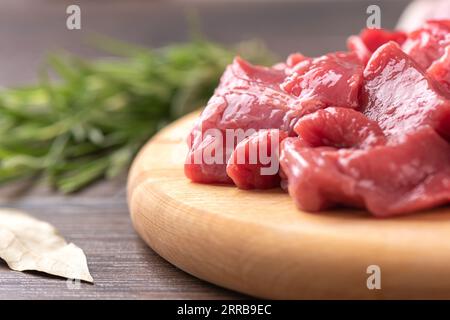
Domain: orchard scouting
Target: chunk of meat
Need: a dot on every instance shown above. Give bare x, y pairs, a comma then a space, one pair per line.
331, 80
375, 38
340, 128
428, 43
368, 128
308, 160
408, 174
248, 99
369, 40
440, 70
254, 163
400, 97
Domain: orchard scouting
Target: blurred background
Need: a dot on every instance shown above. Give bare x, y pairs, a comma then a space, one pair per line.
29, 29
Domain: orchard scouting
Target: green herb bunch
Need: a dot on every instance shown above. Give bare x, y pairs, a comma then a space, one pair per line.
86, 120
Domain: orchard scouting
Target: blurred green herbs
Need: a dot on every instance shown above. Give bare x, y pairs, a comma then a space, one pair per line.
90, 122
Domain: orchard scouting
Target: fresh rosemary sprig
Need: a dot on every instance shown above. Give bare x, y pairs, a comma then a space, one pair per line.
90, 121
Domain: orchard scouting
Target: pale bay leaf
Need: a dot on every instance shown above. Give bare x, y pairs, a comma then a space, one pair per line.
30, 244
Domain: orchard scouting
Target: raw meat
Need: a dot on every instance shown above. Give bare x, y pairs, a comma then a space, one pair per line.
340, 128
407, 174
400, 97
258, 152
368, 128
253, 98
369, 40
428, 43
440, 70
330, 80
248, 98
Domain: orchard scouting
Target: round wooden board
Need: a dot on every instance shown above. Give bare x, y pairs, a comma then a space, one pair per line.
258, 243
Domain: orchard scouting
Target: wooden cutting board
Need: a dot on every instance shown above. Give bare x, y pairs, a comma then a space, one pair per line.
258, 243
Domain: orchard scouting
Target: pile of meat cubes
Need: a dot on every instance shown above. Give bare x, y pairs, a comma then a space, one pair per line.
367, 128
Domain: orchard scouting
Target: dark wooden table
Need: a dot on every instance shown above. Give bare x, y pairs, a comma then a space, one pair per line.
97, 219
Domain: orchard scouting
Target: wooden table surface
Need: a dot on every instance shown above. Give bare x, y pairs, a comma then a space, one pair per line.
97, 219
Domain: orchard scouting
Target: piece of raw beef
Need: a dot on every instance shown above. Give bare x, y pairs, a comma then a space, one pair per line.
330, 80
399, 95
408, 173
250, 98
440, 70
369, 40
254, 163
428, 43
340, 128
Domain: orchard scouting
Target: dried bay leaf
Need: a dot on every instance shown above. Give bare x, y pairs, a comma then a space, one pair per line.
30, 244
